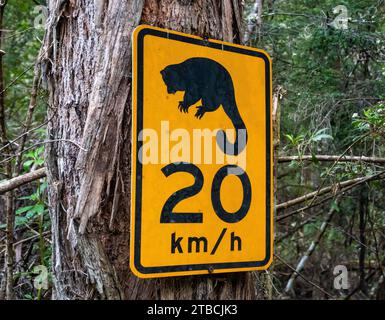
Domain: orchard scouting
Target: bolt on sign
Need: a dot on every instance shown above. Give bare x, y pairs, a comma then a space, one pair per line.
201, 197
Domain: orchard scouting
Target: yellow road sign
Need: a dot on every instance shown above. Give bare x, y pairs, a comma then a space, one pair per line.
201, 198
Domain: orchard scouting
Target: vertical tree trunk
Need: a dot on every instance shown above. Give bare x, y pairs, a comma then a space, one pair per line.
363, 214
87, 66
7, 282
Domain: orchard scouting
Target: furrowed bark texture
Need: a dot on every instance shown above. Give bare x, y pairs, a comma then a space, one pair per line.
87, 67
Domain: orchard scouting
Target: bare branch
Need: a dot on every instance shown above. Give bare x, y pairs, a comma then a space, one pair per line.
44, 142
310, 195
309, 251
21, 180
6, 284
337, 188
17, 78
303, 277
28, 120
336, 162
26, 133
330, 158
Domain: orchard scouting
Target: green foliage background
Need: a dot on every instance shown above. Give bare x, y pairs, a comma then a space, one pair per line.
22, 36
334, 83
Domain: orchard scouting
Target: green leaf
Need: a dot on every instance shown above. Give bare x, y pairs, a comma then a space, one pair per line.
322, 136
290, 138
24, 209
28, 296
334, 206
19, 221
39, 208
39, 162
25, 198
28, 163
314, 158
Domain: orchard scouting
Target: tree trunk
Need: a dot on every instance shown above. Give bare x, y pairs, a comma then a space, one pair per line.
87, 68
7, 282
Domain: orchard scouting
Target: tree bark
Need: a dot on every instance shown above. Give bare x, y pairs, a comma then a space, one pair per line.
9, 196
363, 214
87, 67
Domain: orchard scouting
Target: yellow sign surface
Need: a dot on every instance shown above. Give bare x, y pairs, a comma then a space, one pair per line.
201, 198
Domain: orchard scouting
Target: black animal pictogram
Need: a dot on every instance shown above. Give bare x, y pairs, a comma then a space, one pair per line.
207, 80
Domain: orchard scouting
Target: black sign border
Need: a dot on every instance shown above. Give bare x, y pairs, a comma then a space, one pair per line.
138, 205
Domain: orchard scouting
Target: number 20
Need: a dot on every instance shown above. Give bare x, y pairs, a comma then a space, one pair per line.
168, 216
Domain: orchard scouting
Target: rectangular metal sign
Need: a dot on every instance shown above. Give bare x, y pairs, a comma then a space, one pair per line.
201, 198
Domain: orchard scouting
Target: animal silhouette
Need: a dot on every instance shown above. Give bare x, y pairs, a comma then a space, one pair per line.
207, 80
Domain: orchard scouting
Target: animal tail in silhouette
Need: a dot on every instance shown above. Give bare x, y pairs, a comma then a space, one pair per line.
240, 129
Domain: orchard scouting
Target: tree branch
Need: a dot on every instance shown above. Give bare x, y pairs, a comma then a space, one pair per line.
6, 284
310, 195
28, 120
330, 158
309, 251
303, 277
345, 184
21, 180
